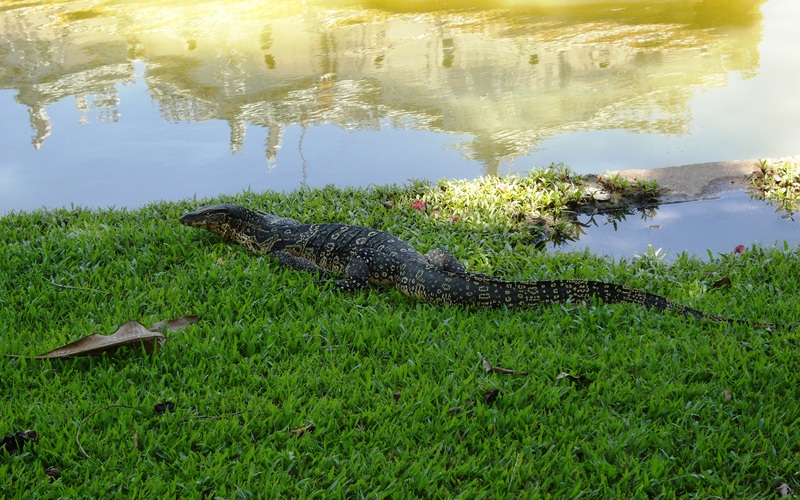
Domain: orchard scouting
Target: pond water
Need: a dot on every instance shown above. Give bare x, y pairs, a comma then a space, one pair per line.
697, 228
119, 103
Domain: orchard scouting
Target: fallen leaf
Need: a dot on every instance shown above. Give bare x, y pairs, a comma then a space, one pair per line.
490, 395
174, 325
397, 396
784, 490
53, 473
455, 409
162, 408
507, 371
302, 430
131, 334
135, 440
727, 394
13, 443
388, 204
724, 282
496, 369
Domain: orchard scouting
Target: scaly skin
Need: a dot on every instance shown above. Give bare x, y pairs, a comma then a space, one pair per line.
365, 256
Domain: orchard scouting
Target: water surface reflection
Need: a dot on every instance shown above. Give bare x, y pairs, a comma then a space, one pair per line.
491, 82
717, 226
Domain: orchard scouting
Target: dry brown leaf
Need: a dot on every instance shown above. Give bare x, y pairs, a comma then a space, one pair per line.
302, 430
174, 325
727, 394
13, 443
53, 473
507, 371
166, 406
723, 283
131, 334
490, 395
496, 369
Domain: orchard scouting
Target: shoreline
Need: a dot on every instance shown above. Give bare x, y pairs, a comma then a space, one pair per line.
700, 181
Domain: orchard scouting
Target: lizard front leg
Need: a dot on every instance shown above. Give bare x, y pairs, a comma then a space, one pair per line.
366, 266
299, 263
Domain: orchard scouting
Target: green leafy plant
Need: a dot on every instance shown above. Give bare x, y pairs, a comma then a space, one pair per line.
635, 189
779, 183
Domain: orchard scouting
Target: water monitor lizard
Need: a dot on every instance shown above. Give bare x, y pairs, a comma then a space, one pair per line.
364, 255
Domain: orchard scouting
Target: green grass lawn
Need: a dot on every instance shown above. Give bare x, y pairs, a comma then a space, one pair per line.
655, 404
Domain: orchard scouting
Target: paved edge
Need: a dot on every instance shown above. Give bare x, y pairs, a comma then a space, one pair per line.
700, 181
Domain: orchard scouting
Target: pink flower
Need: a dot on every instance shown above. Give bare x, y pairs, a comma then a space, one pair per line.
454, 218
419, 205
739, 249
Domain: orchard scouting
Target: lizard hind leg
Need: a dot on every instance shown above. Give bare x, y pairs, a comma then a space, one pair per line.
446, 262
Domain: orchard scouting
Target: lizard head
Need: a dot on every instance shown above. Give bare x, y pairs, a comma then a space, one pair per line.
229, 221
219, 219
242, 225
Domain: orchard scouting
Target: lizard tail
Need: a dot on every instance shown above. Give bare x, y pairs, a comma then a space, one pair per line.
535, 293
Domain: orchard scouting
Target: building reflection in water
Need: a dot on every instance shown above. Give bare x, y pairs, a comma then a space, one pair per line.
505, 78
